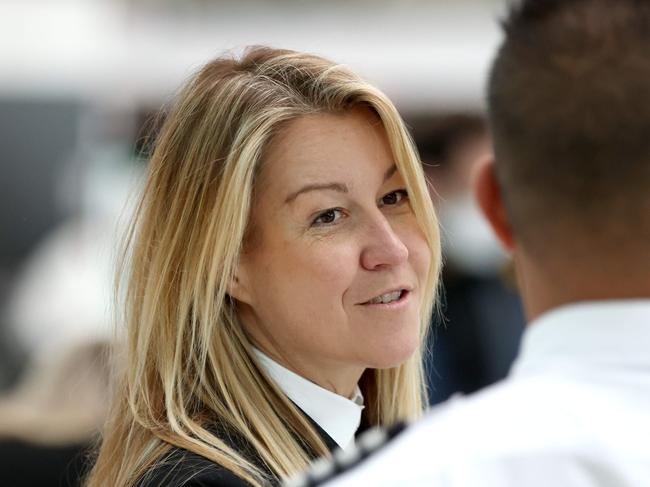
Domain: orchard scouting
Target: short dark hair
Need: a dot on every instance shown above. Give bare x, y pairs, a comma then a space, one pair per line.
569, 109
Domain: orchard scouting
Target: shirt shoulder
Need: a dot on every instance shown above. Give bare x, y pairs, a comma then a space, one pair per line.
537, 415
524, 432
549, 413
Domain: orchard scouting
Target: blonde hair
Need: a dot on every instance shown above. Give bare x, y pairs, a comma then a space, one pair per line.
188, 360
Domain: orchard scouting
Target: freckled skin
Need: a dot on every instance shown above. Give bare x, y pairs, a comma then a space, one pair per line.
314, 260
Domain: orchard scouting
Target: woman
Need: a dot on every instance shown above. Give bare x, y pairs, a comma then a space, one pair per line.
283, 263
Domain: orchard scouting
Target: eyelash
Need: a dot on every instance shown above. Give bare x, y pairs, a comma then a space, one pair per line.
316, 223
402, 193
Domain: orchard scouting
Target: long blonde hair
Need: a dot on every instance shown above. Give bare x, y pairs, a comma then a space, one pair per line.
188, 361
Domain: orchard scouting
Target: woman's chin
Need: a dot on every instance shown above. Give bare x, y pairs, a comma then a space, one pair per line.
393, 354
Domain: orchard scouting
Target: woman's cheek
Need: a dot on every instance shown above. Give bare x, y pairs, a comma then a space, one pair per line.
331, 261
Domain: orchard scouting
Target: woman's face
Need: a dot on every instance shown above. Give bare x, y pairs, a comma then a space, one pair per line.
331, 281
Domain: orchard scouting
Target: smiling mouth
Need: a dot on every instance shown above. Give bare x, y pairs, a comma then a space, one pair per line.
388, 298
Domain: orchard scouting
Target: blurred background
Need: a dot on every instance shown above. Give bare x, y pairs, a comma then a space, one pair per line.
79, 83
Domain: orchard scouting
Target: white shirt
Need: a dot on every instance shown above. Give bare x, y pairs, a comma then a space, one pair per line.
574, 411
338, 416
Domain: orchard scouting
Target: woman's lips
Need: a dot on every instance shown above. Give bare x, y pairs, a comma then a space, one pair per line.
396, 304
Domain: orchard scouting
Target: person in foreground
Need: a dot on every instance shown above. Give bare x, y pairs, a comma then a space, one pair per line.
283, 264
569, 195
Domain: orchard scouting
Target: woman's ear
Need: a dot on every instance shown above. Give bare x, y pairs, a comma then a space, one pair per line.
238, 288
488, 195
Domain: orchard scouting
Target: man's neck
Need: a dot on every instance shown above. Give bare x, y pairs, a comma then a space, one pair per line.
545, 287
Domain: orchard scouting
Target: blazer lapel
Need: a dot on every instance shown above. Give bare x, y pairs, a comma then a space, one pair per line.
327, 439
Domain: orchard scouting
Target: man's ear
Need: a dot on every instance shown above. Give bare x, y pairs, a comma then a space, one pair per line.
488, 195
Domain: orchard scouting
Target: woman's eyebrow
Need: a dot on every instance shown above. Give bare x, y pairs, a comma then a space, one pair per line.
391, 170
340, 187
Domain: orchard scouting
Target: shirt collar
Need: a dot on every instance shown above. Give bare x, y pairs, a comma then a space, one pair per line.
615, 332
338, 416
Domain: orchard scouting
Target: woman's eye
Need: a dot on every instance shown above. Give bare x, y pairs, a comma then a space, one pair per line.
327, 217
394, 197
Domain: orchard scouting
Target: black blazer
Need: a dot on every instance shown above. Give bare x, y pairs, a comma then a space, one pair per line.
181, 468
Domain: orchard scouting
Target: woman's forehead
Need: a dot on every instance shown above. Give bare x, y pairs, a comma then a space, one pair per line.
310, 147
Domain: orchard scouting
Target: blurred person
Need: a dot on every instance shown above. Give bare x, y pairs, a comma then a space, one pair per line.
450, 148
282, 269
57, 313
567, 195
31, 202
62, 292
483, 319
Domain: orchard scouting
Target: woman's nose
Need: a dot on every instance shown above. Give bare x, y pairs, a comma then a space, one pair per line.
383, 246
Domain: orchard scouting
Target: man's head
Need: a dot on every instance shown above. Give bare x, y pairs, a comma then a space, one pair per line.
569, 108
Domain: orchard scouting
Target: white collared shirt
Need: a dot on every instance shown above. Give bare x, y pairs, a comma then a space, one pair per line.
338, 416
574, 411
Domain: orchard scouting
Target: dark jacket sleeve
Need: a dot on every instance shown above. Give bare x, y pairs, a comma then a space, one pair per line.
186, 469
181, 468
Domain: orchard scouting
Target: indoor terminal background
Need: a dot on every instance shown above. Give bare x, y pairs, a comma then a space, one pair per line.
79, 84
